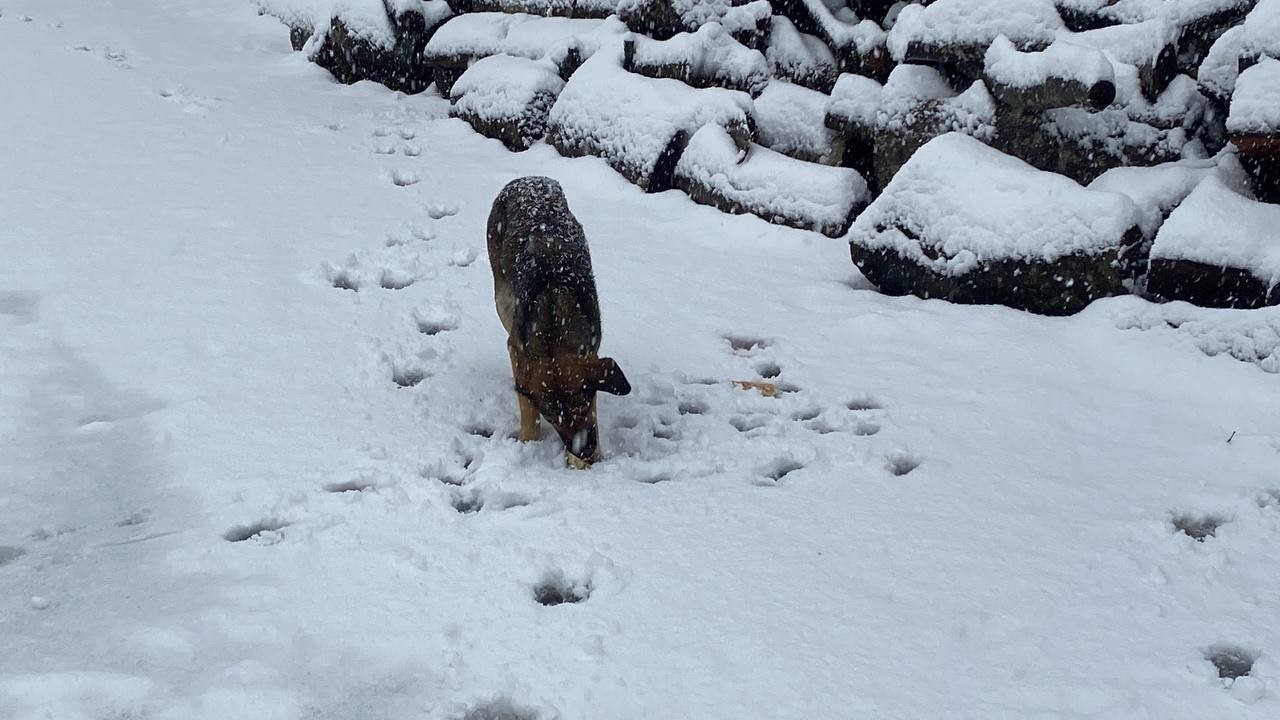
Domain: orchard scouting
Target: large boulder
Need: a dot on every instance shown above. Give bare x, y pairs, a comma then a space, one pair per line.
966, 223
707, 57
1254, 126
791, 119
379, 40
468, 38
507, 98
769, 185
640, 125
1219, 249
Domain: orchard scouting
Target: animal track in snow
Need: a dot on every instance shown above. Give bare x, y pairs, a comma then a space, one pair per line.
745, 344
748, 423
810, 413
864, 404
436, 322
395, 280
407, 133
865, 428
556, 589
1231, 661
384, 149
1269, 498
463, 257
475, 501
439, 212
411, 150
346, 486
480, 430
768, 370
692, 407
901, 463
344, 280
500, 708
1198, 527
9, 553
266, 531
407, 376
404, 178
781, 468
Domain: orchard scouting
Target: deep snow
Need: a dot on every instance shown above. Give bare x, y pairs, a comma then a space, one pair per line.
950, 512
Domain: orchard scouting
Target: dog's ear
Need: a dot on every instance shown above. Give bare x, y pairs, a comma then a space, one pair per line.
604, 375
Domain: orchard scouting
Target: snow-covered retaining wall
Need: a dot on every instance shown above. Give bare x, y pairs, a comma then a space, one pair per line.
805, 110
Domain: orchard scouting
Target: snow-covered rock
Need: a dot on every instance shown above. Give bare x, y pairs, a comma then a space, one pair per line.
507, 98
467, 38
791, 119
859, 45
1261, 33
967, 223
917, 105
770, 185
1254, 126
1219, 249
1155, 190
663, 19
548, 8
800, 58
707, 57
379, 40
639, 125
1064, 74
958, 32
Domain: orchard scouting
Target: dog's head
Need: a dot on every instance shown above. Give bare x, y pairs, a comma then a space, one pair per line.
564, 388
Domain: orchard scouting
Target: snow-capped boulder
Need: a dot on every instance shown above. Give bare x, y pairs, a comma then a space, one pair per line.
790, 119
547, 8
800, 58
953, 35
1254, 126
640, 125
468, 38
1219, 249
378, 40
964, 222
917, 104
1063, 75
707, 57
769, 185
507, 98
859, 45
852, 113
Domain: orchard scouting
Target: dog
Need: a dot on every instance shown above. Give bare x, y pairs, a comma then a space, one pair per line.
545, 294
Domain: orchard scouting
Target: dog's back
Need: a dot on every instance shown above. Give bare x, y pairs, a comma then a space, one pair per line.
543, 284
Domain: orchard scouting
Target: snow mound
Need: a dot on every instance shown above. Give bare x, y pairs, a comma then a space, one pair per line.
1251, 336
958, 203
768, 184
637, 124
792, 120
1255, 106
1218, 228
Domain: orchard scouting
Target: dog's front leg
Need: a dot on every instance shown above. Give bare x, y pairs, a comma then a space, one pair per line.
530, 421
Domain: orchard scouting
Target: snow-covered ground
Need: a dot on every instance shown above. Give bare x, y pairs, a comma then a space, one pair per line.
217, 501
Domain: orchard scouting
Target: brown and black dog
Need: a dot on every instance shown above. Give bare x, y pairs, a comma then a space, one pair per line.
546, 297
